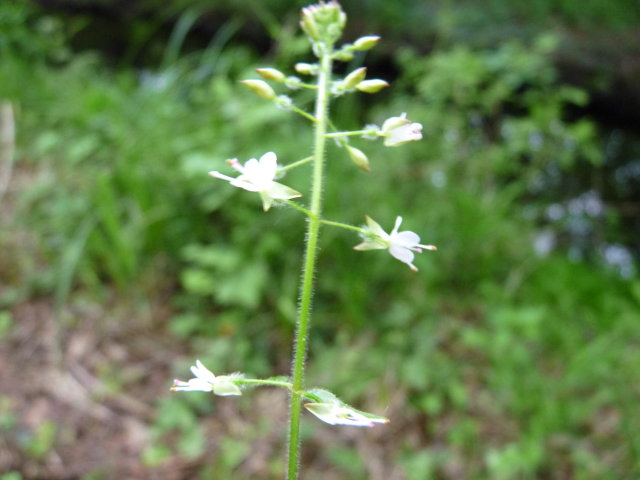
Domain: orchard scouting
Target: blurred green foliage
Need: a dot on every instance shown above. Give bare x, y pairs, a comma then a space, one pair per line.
509, 364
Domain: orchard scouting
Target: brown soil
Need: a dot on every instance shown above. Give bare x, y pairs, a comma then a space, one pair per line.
98, 376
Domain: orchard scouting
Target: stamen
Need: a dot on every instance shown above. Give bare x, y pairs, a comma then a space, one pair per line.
235, 164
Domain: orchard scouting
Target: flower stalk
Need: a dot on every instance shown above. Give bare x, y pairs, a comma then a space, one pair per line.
313, 233
323, 23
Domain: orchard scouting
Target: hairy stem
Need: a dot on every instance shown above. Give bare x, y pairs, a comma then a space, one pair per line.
260, 382
306, 289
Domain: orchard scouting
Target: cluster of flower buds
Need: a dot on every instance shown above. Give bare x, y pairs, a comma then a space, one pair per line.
323, 22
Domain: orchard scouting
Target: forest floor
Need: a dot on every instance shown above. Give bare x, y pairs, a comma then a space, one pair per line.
79, 401
65, 420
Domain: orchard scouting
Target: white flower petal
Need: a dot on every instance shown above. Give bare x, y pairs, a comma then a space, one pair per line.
245, 183
193, 385
401, 253
269, 164
406, 239
251, 165
202, 372
396, 225
217, 174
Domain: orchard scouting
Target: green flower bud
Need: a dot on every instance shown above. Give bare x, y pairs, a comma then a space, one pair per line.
372, 86
306, 68
359, 158
271, 74
260, 88
366, 43
309, 25
354, 78
323, 22
344, 55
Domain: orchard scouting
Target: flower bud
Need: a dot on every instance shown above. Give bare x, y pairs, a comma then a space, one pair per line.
359, 158
354, 78
344, 55
323, 22
308, 24
366, 43
371, 86
271, 74
260, 88
306, 68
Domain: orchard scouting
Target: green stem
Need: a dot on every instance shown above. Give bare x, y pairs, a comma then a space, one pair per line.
306, 115
304, 85
306, 289
341, 225
287, 105
257, 381
310, 214
346, 134
294, 165
300, 208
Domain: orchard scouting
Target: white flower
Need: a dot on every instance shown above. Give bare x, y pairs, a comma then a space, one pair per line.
258, 176
401, 245
399, 130
337, 414
206, 381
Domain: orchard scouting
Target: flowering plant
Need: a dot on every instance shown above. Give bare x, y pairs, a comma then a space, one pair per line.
323, 24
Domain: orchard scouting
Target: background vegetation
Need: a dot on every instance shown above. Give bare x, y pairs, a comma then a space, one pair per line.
512, 354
